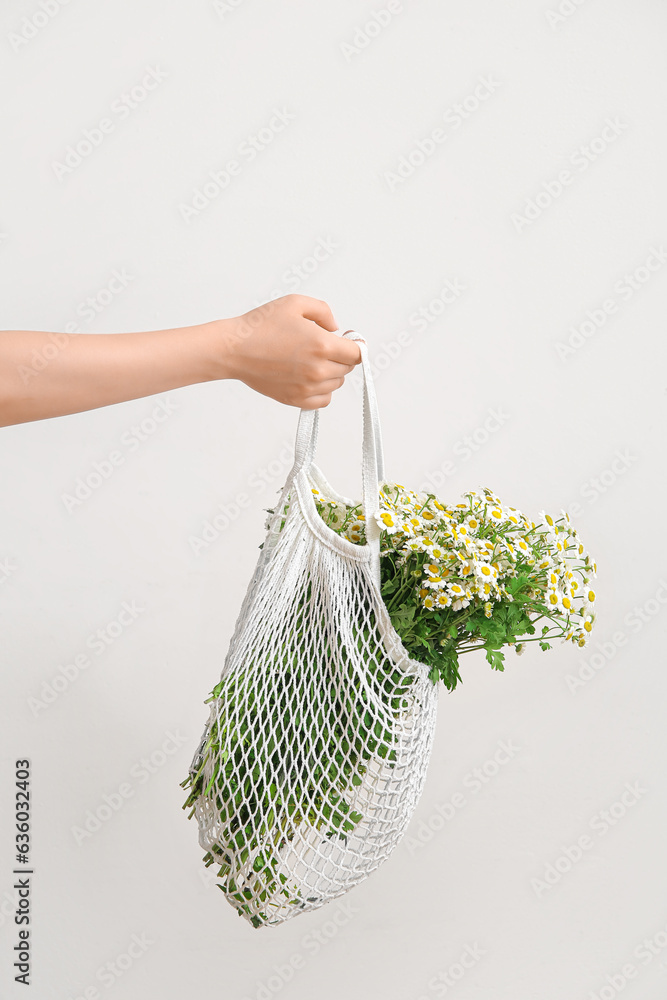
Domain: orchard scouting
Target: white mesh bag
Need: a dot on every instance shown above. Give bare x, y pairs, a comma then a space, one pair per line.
320, 730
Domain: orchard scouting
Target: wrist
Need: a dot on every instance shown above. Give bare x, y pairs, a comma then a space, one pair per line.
217, 340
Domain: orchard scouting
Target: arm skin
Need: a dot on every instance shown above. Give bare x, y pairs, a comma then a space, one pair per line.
286, 349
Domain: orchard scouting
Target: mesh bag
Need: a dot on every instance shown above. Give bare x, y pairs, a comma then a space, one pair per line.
316, 748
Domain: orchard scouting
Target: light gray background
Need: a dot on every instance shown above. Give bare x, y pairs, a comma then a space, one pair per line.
566, 422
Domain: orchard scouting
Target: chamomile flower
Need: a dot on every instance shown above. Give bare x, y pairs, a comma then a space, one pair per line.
355, 531
388, 521
413, 525
552, 598
485, 571
522, 546
415, 545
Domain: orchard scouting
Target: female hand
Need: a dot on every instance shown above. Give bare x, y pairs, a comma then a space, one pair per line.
286, 349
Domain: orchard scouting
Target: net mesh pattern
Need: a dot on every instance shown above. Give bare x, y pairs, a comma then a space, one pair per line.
320, 730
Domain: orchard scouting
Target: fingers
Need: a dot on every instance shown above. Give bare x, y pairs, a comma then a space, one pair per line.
319, 312
332, 369
345, 352
316, 402
329, 385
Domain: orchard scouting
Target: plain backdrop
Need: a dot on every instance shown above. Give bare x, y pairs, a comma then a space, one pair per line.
514, 152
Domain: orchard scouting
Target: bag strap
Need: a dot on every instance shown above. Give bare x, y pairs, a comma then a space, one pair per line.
371, 414
372, 468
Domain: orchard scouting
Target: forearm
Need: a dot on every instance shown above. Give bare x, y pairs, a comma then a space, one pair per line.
286, 349
49, 375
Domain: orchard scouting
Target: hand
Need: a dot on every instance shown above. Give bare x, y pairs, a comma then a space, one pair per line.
286, 349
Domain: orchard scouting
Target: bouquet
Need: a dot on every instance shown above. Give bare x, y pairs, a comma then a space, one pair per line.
473, 575
454, 579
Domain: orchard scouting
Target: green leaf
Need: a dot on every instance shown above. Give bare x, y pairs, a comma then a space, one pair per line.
495, 658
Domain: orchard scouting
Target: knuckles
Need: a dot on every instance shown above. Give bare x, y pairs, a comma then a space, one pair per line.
319, 345
318, 372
